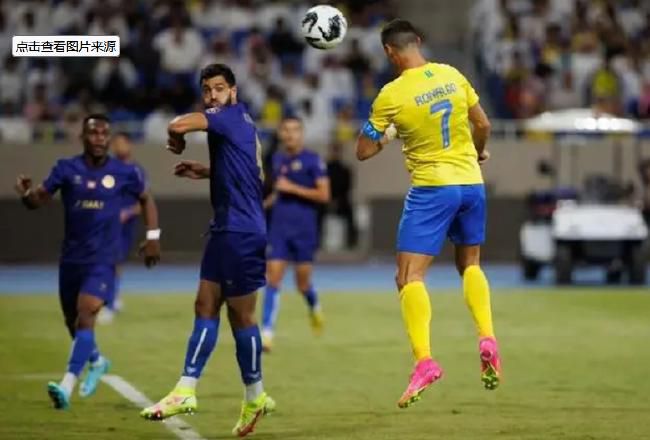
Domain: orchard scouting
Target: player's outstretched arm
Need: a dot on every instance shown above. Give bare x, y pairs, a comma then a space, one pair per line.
150, 248
181, 125
481, 129
320, 194
191, 169
32, 198
368, 147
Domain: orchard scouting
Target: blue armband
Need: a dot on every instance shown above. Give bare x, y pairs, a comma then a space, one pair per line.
369, 131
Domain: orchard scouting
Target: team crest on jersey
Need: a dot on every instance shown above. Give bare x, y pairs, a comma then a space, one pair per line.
108, 181
91, 184
296, 165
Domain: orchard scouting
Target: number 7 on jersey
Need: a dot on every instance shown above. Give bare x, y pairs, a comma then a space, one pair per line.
446, 107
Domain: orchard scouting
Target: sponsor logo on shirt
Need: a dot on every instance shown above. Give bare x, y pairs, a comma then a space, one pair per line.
108, 181
296, 165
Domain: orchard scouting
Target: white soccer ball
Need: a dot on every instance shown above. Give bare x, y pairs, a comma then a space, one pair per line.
324, 27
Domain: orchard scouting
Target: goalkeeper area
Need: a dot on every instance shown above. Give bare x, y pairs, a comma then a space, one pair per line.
575, 362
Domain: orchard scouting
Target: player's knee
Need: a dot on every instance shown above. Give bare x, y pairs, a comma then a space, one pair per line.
303, 285
240, 319
85, 320
203, 308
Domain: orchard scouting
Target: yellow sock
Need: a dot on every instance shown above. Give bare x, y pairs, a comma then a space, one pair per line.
416, 311
477, 296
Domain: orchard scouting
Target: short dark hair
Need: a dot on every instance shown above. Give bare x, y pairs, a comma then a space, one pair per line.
98, 116
124, 134
217, 69
292, 117
399, 33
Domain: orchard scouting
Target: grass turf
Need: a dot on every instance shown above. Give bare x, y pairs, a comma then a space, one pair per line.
576, 367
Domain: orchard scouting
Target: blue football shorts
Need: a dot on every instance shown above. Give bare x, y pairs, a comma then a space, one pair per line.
236, 261
93, 279
433, 213
293, 246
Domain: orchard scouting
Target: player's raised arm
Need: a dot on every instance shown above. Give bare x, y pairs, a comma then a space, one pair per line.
481, 128
181, 125
32, 198
378, 130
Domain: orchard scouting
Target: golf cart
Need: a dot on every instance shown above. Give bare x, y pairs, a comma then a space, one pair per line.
597, 225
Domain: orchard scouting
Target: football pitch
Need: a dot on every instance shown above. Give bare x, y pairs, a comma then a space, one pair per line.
576, 366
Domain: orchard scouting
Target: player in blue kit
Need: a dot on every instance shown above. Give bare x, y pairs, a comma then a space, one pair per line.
92, 187
234, 261
301, 184
122, 150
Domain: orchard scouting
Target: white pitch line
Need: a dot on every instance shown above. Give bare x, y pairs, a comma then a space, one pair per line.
179, 427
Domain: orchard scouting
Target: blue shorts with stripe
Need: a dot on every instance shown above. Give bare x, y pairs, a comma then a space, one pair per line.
433, 213
236, 261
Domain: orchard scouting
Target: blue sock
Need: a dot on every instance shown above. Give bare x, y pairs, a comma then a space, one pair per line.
249, 350
271, 307
200, 346
82, 346
94, 355
311, 297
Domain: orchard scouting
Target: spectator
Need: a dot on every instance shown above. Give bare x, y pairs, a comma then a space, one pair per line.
5, 36
27, 26
115, 79
272, 110
39, 109
357, 61
346, 129
145, 57
341, 182
282, 41
317, 128
106, 22
11, 87
337, 80
67, 14
208, 15
606, 89
180, 48
221, 52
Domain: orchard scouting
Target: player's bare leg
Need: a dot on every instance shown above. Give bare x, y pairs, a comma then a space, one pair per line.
107, 313
182, 399
303, 282
416, 312
83, 346
274, 274
256, 403
477, 296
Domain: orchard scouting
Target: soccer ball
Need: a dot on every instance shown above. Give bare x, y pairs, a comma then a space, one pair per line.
324, 27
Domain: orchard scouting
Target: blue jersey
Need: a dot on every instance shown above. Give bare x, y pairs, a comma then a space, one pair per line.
92, 201
291, 212
235, 171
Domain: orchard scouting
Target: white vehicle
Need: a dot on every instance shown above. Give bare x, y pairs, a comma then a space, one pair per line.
600, 227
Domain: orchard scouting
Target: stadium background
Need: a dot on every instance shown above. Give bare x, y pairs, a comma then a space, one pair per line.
524, 57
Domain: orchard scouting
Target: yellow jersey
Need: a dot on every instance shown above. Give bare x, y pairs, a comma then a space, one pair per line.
429, 107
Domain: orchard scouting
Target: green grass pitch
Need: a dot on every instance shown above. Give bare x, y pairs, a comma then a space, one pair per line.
576, 366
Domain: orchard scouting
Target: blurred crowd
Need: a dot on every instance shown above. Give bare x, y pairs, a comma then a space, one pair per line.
538, 55
164, 44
